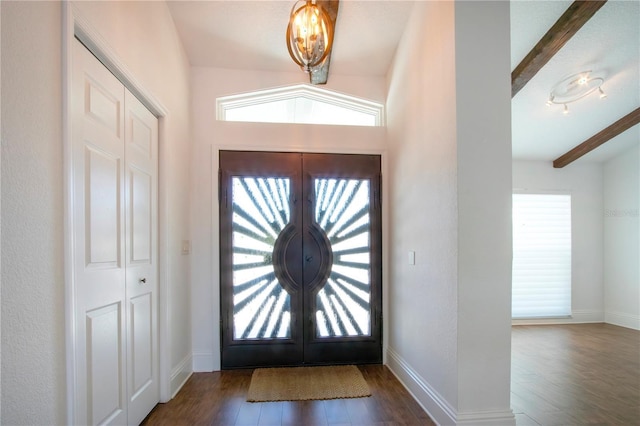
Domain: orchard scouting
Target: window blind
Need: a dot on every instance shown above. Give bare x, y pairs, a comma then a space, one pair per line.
541, 285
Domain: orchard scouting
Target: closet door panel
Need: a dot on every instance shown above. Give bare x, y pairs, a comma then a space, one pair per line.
104, 353
97, 170
141, 239
141, 187
102, 183
114, 171
141, 312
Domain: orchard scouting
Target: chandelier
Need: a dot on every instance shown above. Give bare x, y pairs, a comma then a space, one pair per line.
309, 34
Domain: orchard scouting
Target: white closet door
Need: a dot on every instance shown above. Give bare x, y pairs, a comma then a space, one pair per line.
114, 198
141, 165
99, 223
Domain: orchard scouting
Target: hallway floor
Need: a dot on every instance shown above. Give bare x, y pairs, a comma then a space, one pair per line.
561, 375
575, 375
218, 399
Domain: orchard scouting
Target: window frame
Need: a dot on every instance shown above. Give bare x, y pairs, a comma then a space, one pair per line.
227, 103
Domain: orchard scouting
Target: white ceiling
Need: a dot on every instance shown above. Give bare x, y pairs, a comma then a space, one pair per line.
609, 45
239, 34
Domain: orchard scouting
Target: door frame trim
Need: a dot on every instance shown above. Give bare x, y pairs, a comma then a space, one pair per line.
214, 360
75, 25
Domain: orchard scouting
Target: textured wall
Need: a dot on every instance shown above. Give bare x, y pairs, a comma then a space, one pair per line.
450, 184
143, 36
622, 238
423, 204
484, 211
33, 356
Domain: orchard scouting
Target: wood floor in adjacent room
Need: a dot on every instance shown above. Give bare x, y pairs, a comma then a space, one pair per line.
575, 375
219, 398
562, 375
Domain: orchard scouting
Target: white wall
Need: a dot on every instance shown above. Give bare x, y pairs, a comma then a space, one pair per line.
210, 135
423, 212
33, 355
483, 72
622, 239
450, 176
584, 182
33, 323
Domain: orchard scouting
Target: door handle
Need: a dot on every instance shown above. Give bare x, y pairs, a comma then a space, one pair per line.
142, 280
308, 258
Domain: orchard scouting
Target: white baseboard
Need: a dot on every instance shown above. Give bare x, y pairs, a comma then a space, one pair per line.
435, 405
622, 319
428, 398
203, 362
486, 418
180, 374
581, 316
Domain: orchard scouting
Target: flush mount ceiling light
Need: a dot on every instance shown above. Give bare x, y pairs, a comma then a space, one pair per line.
575, 87
309, 34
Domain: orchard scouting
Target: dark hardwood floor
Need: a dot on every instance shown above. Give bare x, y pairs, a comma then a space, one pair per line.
219, 398
561, 375
583, 374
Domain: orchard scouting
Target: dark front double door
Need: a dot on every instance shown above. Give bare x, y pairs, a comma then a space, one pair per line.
300, 239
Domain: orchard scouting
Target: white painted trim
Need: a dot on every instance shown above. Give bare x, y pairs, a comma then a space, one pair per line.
180, 374
1, 286
582, 316
73, 24
101, 49
424, 394
225, 103
164, 345
209, 361
385, 255
213, 361
69, 248
622, 319
435, 405
486, 418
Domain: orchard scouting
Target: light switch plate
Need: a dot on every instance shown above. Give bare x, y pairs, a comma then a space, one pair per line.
186, 246
412, 257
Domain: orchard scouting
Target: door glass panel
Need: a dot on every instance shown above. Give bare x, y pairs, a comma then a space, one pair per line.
343, 304
261, 305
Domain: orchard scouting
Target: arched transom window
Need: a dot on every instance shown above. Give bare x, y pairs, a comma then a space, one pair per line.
300, 104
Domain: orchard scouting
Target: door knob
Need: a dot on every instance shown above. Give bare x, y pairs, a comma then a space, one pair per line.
143, 280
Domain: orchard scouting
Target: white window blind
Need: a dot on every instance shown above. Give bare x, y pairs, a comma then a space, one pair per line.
541, 255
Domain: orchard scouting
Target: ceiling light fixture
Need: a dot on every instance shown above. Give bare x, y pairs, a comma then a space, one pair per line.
575, 87
309, 34
602, 94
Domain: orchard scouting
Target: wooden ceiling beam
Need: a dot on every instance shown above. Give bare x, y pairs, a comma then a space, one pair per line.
598, 139
320, 74
565, 27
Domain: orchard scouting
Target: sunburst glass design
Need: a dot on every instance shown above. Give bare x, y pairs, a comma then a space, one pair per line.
342, 211
261, 305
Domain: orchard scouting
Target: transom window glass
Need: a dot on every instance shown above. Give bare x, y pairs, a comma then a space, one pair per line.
300, 104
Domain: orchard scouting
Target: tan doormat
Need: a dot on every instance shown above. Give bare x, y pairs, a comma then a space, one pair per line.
306, 383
